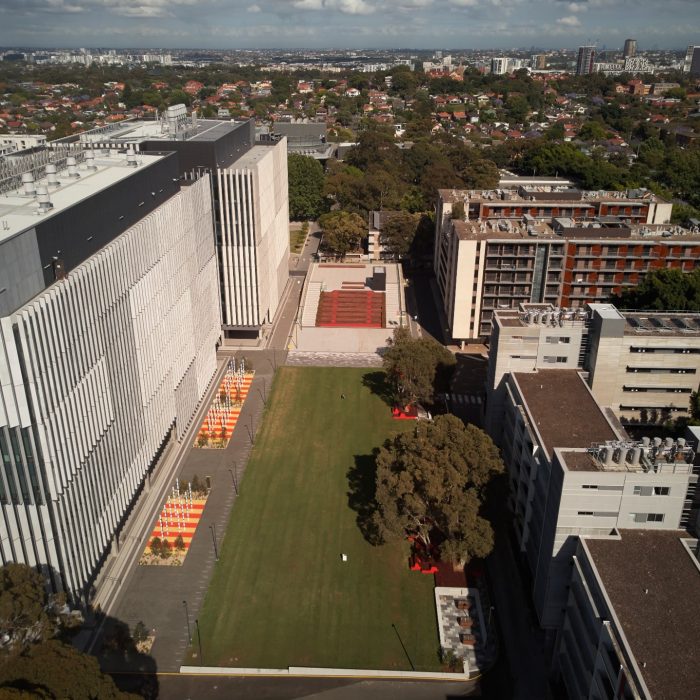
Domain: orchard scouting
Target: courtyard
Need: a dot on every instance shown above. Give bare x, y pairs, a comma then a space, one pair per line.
281, 594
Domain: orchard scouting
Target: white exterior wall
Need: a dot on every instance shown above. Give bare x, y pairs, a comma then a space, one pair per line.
254, 246
673, 374
114, 355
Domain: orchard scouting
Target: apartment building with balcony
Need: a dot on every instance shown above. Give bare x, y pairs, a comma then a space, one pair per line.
581, 248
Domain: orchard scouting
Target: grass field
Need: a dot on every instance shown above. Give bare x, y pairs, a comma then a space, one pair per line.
296, 240
280, 595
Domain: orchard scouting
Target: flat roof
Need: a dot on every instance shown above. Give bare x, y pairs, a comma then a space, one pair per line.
653, 584
667, 325
510, 228
137, 130
563, 409
21, 212
253, 156
560, 193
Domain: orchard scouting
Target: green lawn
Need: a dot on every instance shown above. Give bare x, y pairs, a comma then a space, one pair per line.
296, 240
280, 595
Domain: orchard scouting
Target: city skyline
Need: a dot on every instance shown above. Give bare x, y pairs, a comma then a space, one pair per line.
352, 24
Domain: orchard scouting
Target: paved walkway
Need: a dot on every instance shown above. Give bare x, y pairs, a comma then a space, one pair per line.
155, 594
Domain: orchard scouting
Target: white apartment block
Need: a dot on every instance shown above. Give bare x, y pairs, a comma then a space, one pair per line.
11, 143
643, 366
109, 322
629, 627
574, 473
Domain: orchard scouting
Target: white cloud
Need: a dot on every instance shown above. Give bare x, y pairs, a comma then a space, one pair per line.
254, 8
570, 21
577, 7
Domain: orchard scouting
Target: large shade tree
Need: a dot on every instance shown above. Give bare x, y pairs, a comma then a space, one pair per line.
663, 290
416, 367
430, 484
306, 182
342, 232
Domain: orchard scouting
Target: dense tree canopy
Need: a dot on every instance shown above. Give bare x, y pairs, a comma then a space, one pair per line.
399, 231
53, 669
430, 484
663, 290
306, 181
33, 661
417, 368
342, 232
26, 613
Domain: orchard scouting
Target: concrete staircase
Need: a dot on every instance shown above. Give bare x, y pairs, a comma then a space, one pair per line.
313, 295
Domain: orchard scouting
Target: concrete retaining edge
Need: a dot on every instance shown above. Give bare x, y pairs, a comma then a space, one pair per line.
310, 672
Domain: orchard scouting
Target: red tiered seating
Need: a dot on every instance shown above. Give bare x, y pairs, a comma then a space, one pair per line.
351, 308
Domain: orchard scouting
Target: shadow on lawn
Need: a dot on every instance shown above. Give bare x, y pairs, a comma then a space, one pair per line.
361, 491
377, 383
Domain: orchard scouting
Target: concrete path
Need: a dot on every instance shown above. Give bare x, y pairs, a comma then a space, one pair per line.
156, 595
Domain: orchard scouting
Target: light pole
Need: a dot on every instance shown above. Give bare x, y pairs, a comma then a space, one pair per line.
263, 392
187, 617
234, 476
251, 431
213, 538
199, 639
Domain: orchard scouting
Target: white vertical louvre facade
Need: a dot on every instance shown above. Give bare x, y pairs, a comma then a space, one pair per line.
254, 235
95, 371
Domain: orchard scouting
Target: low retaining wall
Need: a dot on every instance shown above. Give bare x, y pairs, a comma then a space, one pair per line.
310, 672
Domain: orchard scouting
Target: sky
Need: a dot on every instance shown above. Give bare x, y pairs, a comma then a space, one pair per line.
419, 24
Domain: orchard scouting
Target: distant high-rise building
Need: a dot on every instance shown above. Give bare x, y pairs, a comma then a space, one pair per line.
630, 50
538, 61
692, 61
500, 65
586, 56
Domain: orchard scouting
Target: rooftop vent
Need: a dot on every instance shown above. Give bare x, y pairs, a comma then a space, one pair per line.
131, 160
42, 196
72, 167
51, 176
90, 160
28, 184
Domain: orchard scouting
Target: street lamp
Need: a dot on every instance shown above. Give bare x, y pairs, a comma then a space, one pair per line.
234, 477
187, 617
213, 538
199, 639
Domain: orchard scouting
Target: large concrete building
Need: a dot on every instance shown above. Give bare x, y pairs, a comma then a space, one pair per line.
629, 627
630, 50
584, 62
547, 244
573, 472
109, 322
643, 366
557, 395
251, 206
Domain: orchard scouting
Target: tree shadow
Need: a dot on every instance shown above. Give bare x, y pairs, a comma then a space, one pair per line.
361, 496
132, 671
377, 383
